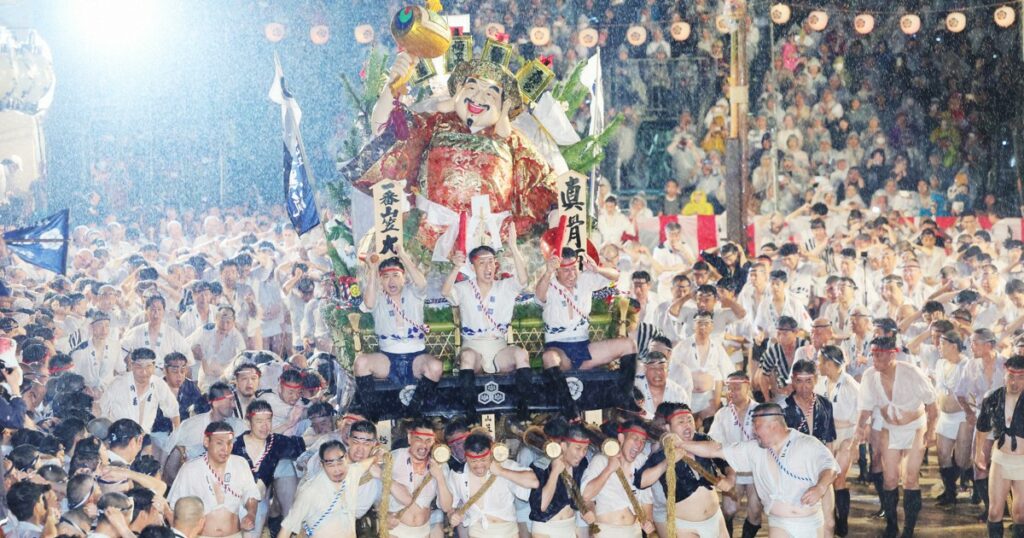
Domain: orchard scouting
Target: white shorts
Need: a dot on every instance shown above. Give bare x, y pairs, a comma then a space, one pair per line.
842, 434
704, 529
1012, 465
948, 424
405, 531
620, 531
798, 527
488, 349
700, 401
744, 479
563, 528
507, 529
902, 437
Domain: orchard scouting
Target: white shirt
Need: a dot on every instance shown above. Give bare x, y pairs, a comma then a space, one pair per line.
674, 392
122, 400
328, 508
168, 340
218, 351
99, 364
767, 315
785, 476
497, 503
282, 412
268, 298
399, 324
729, 427
911, 391
716, 362
612, 497
197, 479
567, 312
402, 473
973, 386
485, 317
843, 395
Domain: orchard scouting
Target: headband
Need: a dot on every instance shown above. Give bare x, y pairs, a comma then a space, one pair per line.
769, 415
803, 376
678, 412
573, 440
222, 398
291, 385
350, 417
883, 350
1016, 371
260, 412
391, 269
738, 380
211, 434
422, 433
482, 254
633, 429
60, 369
459, 437
479, 456
566, 265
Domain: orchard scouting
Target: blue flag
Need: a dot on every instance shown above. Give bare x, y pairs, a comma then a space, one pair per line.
298, 192
43, 245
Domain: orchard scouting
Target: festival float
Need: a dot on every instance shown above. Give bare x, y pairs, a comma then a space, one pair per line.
452, 148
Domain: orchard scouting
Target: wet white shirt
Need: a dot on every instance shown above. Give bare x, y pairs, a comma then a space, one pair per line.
567, 312
784, 476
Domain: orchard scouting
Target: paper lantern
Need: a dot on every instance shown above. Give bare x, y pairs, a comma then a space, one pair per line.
817, 20
636, 35
780, 13
274, 32
588, 37
956, 22
1005, 16
680, 31
493, 29
910, 24
725, 24
319, 34
364, 34
864, 23
540, 36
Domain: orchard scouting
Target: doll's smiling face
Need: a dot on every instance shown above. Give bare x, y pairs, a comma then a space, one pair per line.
478, 102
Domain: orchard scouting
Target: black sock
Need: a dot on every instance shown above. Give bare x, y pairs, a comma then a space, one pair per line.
911, 507
425, 388
842, 512
749, 529
981, 487
365, 394
563, 398
467, 393
995, 529
890, 502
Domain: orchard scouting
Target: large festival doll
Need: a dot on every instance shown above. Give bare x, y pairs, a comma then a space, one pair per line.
466, 148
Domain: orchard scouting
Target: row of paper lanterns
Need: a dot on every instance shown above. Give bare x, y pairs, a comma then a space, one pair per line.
910, 24
319, 34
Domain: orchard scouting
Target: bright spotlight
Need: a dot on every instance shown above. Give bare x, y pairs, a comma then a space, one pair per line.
115, 23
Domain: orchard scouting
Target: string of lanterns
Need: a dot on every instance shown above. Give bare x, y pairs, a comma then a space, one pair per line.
956, 21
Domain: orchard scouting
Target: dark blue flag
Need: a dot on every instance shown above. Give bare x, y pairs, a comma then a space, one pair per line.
298, 191
43, 245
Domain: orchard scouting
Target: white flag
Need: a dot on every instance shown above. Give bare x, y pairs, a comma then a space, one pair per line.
590, 77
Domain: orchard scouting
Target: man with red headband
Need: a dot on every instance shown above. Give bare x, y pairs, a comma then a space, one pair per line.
485, 309
496, 485
397, 310
905, 397
734, 424
792, 471
1005, 460
566, 295
600, 485
410, 467
696, 503
223, 481
553, 509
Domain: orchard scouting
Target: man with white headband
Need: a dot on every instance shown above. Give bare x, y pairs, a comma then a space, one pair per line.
566, 296
486, 305
708, 363
138, 394
223, 482
188, 440
734, 424
326, 505
397, 310
841, 389
811, 414
904, 396
1005, 461
792, 471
